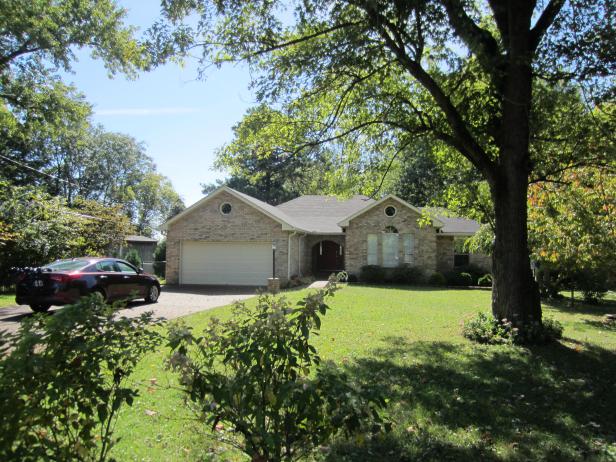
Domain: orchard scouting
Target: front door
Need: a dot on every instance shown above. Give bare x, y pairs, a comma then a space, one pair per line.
327, 258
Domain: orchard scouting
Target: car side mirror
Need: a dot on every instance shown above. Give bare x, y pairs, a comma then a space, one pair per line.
139, 270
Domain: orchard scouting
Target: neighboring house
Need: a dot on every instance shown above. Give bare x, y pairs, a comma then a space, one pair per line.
231, 238
145, 246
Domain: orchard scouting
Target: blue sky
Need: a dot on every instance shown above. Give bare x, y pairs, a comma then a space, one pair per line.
180, 119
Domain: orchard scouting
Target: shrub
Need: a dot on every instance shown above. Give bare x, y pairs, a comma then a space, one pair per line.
352, 278
372, 274
407, 274
485, 280
160, 257
457, 278
473, 270
484, 328
437, 279
133, 257
258, 376
63, 379
592, 283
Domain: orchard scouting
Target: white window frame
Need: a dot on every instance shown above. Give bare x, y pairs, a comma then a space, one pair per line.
373, 249
408, 244
394, 253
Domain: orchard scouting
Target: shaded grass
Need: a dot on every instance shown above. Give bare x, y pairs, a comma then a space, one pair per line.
449, 399
7, 300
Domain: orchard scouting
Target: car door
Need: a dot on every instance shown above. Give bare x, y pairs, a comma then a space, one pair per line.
109, 278
129, 287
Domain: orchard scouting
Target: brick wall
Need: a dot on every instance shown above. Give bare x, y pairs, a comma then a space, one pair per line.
375, 221
244, 223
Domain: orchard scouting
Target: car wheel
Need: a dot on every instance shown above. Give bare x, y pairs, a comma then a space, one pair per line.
40, 307
101, 293
153, 293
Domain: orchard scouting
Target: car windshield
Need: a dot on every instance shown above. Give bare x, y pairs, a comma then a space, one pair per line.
66, 265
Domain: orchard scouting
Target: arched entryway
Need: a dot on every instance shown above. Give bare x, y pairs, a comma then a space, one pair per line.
327, 258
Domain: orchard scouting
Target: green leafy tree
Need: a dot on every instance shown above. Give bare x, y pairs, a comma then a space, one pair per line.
455, 71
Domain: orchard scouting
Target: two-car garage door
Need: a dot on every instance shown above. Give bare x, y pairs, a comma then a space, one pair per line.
231, 263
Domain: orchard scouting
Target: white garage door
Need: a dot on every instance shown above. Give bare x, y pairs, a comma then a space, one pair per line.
232, 263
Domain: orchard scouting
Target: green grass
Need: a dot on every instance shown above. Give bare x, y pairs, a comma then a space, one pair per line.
7, 300
449, 399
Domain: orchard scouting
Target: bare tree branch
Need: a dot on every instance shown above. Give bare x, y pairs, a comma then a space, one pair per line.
545, 21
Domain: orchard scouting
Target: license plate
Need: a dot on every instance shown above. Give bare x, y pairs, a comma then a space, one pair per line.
38, 283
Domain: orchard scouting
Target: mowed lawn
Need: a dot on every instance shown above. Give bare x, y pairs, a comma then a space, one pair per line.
448, 399
7, 300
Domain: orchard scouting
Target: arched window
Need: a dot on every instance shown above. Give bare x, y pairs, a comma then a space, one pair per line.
391, 229
390, 247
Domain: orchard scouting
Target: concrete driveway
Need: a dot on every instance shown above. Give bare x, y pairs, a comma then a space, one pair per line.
173, 303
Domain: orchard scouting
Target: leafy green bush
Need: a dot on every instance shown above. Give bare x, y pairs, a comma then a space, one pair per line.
407, 274
160, 257
457, 278
485, 280
484, 328
133, 257
593, 283
473, 270
372, 274
63, 379
437, 279
258, 376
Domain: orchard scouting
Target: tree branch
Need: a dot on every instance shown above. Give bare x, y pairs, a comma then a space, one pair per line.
480, 41
545, 21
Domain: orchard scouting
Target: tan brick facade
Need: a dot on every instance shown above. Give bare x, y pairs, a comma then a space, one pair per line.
445, 252
244, 223
374, 221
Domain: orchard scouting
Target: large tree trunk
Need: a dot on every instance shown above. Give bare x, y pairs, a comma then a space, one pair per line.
515, 294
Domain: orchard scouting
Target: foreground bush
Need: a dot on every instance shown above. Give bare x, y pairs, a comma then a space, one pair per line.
484, 328
63, 378
258, 381
458, 278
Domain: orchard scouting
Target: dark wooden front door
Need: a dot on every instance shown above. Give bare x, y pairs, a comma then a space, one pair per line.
327, 258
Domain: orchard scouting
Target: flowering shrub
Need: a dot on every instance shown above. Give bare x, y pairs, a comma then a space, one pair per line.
484, 328
258, 381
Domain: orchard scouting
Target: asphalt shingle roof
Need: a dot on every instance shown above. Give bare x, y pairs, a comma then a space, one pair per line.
321, 214
135, 238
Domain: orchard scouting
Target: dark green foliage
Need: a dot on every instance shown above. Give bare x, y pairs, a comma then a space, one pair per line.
133, 257
352, 278
458, 278
485, 280
407, 274
484, 328
160, 257
475, 271
63, 379
259, 376
592, 283
437, 279
372, 274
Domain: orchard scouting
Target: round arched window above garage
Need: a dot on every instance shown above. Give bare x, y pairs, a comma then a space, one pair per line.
390, 211
225, 208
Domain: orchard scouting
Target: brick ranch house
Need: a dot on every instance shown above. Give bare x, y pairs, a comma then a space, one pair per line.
231, 238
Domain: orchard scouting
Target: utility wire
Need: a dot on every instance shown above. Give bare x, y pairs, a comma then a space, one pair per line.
38, 171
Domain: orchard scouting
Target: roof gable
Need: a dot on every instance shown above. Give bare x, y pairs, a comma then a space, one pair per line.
345, 221
261, 206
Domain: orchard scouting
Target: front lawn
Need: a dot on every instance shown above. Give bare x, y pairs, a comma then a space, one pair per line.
7, 300
449, 399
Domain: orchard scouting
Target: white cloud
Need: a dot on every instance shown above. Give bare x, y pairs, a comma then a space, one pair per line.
146, 111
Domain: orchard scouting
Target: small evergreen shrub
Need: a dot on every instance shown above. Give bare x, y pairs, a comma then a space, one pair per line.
484, 328
437, 279
407, 274
160, 257
485, 280
133, 257
458, 278
473, 270
352, 278
372, 274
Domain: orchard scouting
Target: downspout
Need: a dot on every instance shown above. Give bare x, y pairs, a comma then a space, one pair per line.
289, 255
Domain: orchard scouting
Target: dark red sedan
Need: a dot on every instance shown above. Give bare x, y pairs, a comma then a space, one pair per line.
64, 281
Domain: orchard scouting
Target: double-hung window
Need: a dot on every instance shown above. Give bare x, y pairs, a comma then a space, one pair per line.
373, 245
408, 244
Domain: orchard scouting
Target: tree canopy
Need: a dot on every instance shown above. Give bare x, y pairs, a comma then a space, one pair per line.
380, 74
